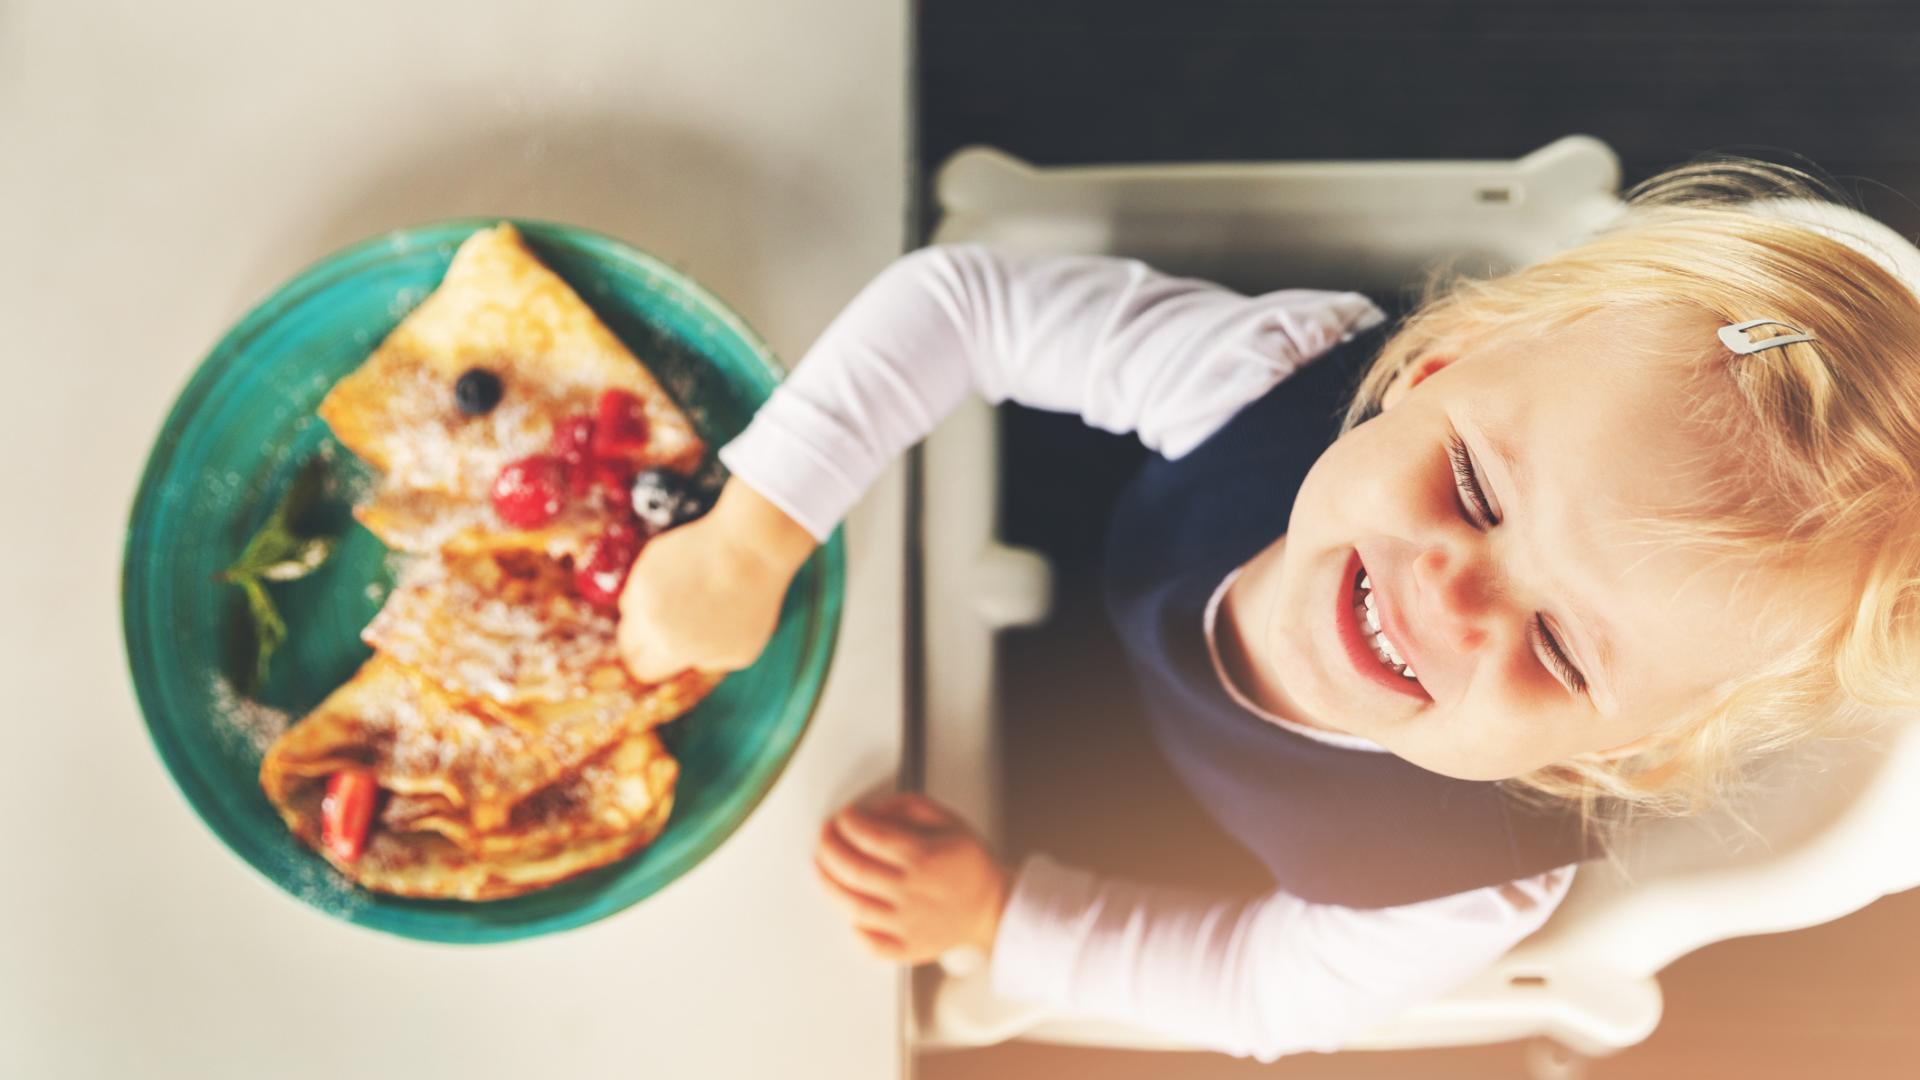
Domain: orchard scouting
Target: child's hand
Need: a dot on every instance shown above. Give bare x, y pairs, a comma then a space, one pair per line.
707, 595
912, 877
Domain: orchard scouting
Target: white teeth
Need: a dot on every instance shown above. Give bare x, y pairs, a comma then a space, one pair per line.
1381, 648
1386, 646
1367, 614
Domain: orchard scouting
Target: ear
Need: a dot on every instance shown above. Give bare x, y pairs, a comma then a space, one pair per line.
1411, 376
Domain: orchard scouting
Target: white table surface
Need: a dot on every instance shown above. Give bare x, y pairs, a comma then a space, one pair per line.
163, 167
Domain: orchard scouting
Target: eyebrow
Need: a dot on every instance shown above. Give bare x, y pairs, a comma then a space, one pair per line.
1496, 437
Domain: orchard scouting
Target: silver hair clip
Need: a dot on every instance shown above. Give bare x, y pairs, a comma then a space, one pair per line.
1735, 337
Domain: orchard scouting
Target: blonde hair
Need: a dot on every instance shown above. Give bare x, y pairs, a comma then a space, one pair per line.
1830, 427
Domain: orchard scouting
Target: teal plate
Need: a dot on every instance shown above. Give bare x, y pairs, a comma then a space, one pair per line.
230, 448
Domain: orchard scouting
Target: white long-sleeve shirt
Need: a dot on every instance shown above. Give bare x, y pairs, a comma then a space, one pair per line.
1171, 360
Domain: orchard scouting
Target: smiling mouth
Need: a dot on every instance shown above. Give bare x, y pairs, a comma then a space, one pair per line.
1368, 617
1372, 656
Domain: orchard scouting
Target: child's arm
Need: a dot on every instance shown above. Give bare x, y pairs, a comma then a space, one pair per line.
1255, 976
1128, 348
1259, 977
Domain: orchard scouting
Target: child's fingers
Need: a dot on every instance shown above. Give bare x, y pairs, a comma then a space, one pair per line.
883, 945
862, 911
856, 871
912, 808
883, 840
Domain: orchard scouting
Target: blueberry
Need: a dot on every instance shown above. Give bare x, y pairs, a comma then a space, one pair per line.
661, 499
477, 391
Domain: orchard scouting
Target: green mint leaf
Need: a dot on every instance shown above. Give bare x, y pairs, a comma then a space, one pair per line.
282, 538
284, 549
305, 560
269, 630
269, 547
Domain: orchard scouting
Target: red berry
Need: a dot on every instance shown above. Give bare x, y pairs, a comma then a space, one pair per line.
620, 426
346, 812
530, 492
606, 481
602, 571
573, 440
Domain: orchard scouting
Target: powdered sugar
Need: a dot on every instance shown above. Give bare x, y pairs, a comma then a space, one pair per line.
240, 720
431, 444
480, 630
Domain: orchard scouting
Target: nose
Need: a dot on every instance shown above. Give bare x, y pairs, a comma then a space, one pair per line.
1453, 599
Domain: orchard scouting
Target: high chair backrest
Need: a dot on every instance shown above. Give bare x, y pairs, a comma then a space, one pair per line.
1833, 829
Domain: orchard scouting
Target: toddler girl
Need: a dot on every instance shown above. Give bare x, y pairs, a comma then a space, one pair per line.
1420, 609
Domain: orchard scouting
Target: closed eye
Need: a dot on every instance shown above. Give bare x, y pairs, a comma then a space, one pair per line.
1481, 517
1464, 473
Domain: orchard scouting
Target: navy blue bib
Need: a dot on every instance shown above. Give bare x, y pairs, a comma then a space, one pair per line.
1332, 824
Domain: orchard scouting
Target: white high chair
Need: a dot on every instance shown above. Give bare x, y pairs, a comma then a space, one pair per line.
1835, 822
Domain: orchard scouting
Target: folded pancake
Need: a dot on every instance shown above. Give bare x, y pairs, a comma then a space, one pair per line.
421, 740
505, 633
422, 846
418, 740
497, 309
505, 626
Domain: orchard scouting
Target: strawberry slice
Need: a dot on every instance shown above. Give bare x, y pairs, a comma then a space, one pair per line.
602, 571
619, 426
530, 492
346, 813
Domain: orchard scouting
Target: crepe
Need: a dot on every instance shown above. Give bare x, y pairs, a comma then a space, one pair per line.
439, 766
419, 739
499, 625
480, 800
498, 309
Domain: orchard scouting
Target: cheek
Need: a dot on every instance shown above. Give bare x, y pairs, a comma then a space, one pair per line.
1390, 473
1358, 479
1475, 746
1461, 761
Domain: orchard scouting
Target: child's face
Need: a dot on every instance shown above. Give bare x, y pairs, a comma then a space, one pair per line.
1590, 415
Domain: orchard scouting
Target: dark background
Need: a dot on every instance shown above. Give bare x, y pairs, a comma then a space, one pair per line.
1826, 86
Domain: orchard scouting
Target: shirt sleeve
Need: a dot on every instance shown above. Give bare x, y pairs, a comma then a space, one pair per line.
1128, 348
1257, 977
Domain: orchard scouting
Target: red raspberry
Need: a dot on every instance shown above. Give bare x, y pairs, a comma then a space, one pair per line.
579, 479
595, 476
530, 492
620, 426
604, 480
573, 440
602, 571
